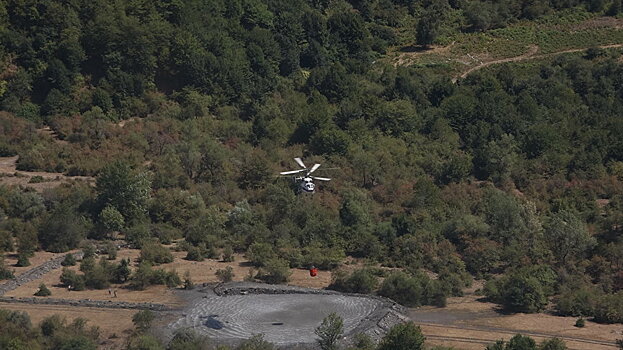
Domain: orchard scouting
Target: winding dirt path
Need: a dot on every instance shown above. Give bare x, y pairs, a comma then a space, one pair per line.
530, 55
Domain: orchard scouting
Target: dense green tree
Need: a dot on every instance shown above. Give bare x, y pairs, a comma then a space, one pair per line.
568, 237
124, 189
62, 229
402, 337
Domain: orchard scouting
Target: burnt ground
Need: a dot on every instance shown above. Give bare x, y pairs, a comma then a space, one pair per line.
287, 316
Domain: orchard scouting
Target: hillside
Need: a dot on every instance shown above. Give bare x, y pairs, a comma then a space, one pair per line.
467, 140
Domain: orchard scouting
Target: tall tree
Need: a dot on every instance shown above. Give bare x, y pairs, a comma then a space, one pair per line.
124, 189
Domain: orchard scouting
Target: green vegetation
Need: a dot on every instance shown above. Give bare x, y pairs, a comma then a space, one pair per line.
43, 291
54, 332
226, 274
406, 336
330, 332
183, 111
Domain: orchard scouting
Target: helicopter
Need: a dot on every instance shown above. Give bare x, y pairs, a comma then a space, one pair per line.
306, 180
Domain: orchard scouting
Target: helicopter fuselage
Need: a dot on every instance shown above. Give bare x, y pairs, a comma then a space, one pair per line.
306, 184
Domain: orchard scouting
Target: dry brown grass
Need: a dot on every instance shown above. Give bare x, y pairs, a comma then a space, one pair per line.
39, 258
115, 324
563, 326
200, 272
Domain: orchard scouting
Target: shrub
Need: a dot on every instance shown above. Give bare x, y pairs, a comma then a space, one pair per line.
525, 290
553, 344
405, 336
259, 254
609, 308
577, 302
155, 253
122, 271
360, 281
187, 339
72, 280
111, 249
98, 277
5, 273
43, 291
194, 254
69, 260
226, 274
402, 289
145, 276
188, 282
330, 332
88, 251
142, 320
228, 254
275, 271
22, 260
580, 322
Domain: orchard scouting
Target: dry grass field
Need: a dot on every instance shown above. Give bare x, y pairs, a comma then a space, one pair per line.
200, 272
466, 323
114, 324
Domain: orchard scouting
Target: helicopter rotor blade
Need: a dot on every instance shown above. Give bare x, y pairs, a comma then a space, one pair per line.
320, 178
299, 161
292, 172
316, 166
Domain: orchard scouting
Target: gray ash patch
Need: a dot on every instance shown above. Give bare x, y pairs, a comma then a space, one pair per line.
284, 315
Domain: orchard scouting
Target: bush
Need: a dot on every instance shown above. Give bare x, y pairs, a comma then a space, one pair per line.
226, 274
580, 323
188, 282
88, 251
525, 290
145, 276
577, 302
609, 308
553, 344
275, 271
360, 281
194, 254
22, 260
98, 277
122, 271
228, 254
69, 260
110, 249
405, 336
43, 291
412, 291
259, 254
187, 339
323, 258
5, 273
154, 253
142, 320
72, 280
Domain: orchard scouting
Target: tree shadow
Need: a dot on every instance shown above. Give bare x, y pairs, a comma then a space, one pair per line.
415, 48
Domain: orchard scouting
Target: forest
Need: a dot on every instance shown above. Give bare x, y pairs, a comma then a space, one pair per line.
185, 110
